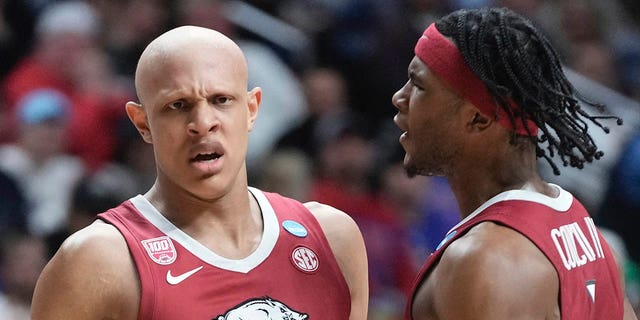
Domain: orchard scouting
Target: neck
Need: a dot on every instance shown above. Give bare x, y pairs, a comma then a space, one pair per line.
508, 168
230, 225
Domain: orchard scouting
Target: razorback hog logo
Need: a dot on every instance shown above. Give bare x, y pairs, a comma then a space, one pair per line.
262, 309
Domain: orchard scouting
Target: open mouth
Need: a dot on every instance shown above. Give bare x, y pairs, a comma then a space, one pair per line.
205, 157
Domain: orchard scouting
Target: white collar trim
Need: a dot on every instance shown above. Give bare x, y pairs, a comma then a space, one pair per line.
561, 203
268, 242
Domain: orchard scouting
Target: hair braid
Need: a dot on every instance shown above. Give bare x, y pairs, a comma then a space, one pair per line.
508, 68
517, 63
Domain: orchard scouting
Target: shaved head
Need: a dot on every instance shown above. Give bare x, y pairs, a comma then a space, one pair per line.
173, 48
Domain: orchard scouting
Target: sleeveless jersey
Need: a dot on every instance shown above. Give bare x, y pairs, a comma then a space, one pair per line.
562, 229
291, 275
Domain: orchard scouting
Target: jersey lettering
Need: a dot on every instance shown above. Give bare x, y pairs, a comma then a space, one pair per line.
594, 237
574, 248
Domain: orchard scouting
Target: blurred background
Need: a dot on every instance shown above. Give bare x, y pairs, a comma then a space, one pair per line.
328, 69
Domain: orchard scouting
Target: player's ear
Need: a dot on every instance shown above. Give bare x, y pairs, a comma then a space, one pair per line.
478, 121
138, 117
254, 97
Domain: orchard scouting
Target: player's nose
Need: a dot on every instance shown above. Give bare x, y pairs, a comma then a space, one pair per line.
203, 119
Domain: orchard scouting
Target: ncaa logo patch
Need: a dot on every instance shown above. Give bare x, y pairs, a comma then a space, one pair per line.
294, 228
160, 250
305, 259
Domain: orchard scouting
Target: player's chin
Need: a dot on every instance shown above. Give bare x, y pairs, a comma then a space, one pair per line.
209, 187
410, 168
207, 197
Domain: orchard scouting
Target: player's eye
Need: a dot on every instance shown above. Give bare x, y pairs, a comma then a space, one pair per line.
177, 105
222, 100
414, 84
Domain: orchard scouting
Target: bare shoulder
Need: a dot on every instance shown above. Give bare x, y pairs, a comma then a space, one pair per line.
341, 231
348, 247
498, 270
334, 223
91, 276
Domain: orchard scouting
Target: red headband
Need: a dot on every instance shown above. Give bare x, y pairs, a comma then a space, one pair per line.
443, 58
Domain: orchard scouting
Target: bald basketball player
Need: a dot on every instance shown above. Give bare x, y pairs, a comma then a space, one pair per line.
201, 243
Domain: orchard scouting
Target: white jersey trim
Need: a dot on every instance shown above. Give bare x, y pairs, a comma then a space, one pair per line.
561, 203
268, 242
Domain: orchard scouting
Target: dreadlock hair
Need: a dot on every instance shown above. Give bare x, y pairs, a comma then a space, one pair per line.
515, 60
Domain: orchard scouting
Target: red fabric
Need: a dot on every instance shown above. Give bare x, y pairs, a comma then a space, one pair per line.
444, 59
548, 229
214, 291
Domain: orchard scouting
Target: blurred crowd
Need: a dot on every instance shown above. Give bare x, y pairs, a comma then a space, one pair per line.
328, 69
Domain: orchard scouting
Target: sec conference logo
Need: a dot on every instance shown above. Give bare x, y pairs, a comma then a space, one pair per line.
305, 259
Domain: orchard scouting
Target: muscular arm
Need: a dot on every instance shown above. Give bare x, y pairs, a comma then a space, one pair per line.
493, 273
91, 277
348, 247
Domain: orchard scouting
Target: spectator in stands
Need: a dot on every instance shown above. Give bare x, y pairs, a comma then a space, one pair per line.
22, 258
343, 180
13, 208
63, 31
426, 206
328, 112
93, 194
67, 57
287, 172
37, 160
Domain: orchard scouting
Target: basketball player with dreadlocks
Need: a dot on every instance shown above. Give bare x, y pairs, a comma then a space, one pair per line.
486, 96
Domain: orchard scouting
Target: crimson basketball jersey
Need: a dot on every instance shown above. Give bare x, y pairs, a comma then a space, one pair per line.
291, 275
562, 229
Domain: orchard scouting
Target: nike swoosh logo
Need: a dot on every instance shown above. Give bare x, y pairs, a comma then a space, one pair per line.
177, 279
